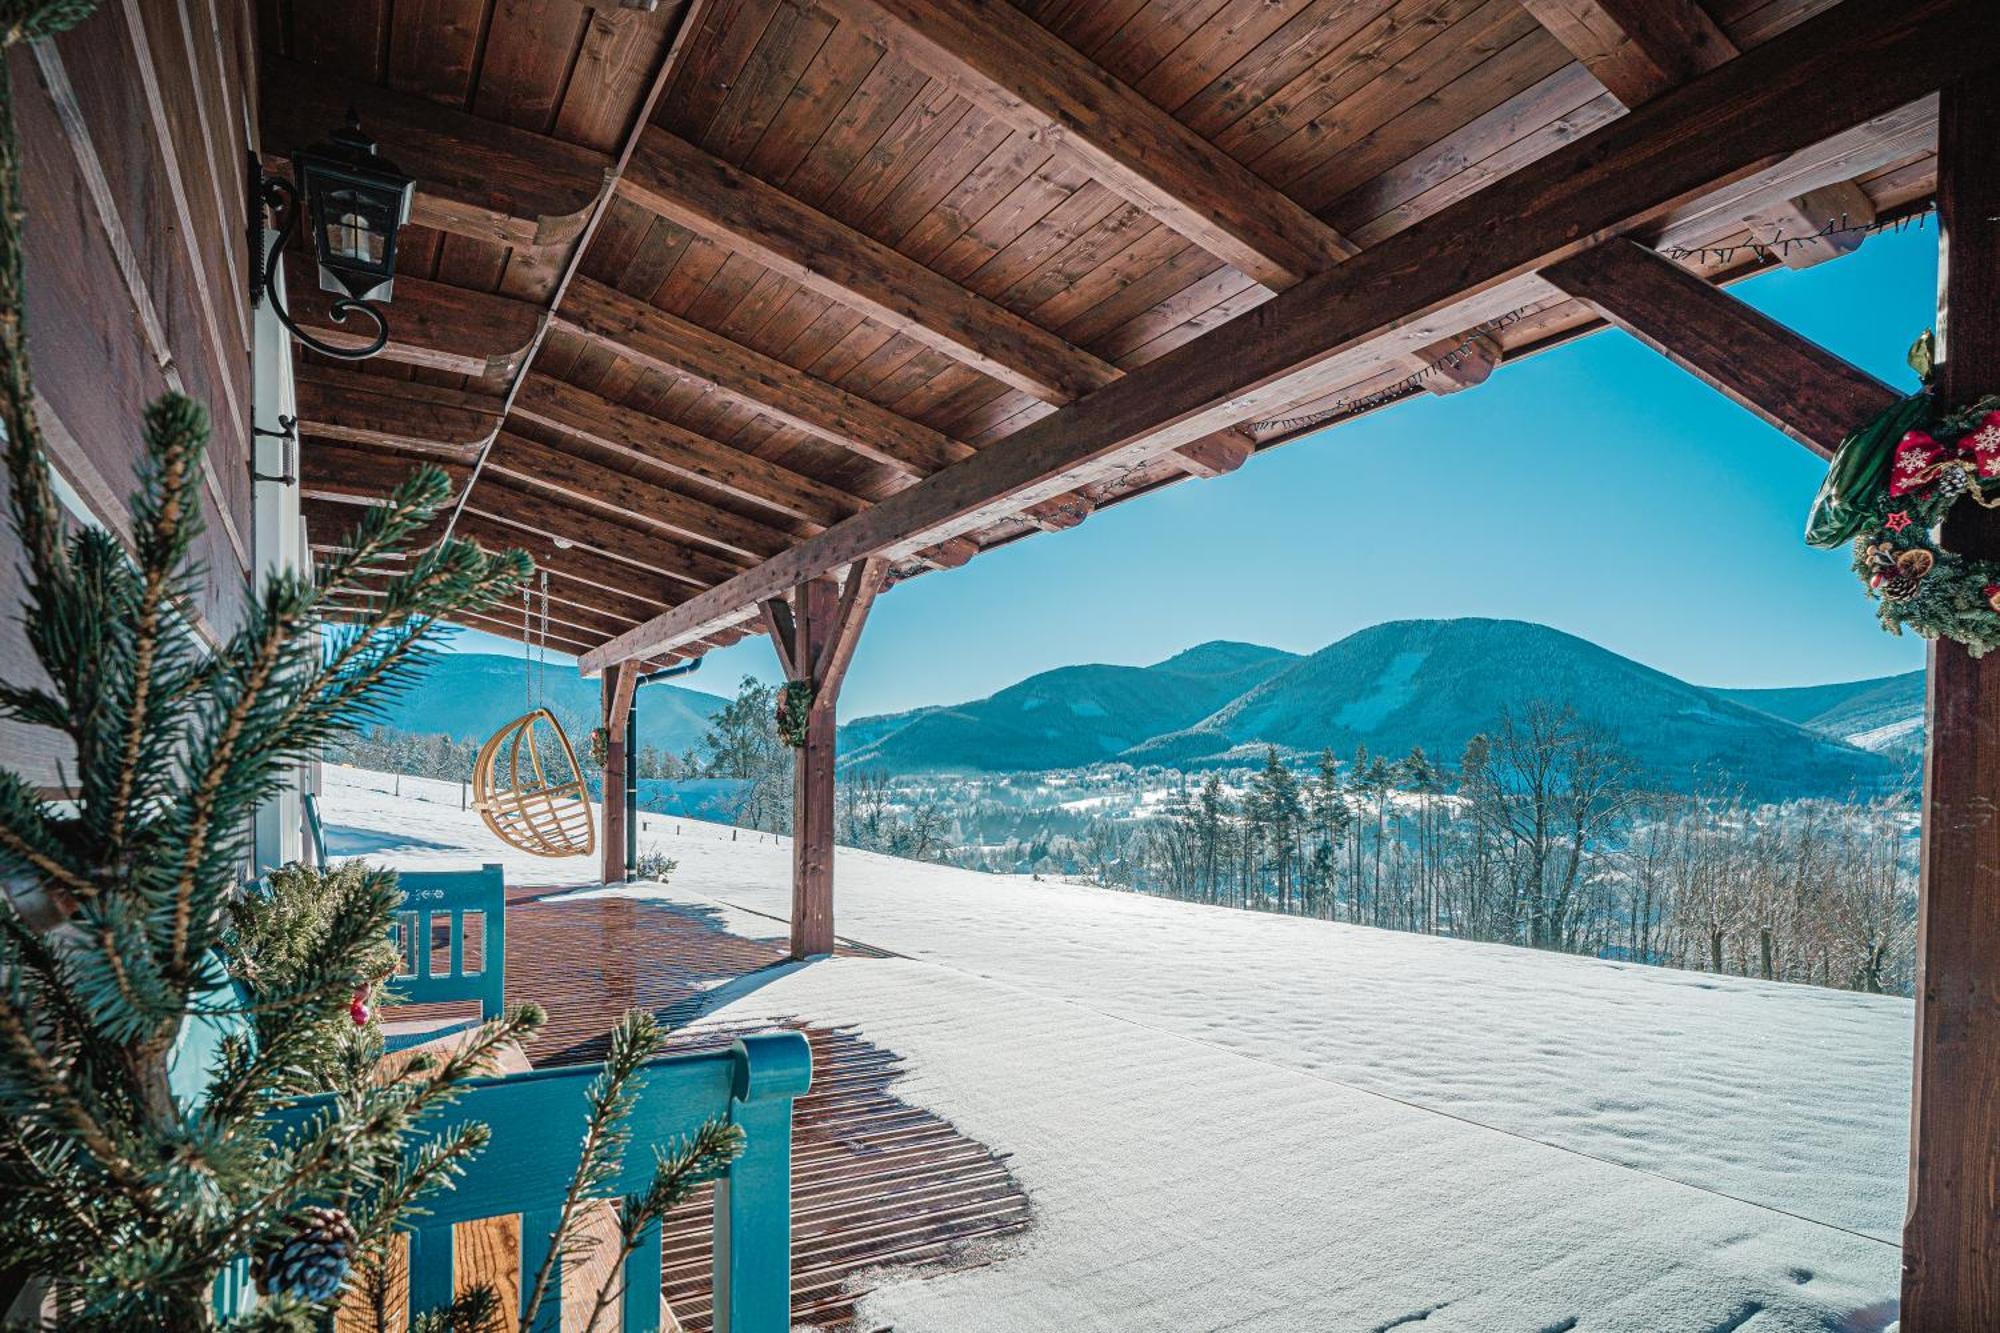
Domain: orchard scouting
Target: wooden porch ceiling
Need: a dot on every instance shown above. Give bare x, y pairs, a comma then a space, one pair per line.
688, 288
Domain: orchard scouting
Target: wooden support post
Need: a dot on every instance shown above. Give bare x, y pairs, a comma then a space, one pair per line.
815, 636
1951, 1239
619, 682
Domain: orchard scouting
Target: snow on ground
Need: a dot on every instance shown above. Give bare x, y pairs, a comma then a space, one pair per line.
1237, 1121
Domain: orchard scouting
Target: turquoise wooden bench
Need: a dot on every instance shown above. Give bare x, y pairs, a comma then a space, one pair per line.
537, 1123
451, 899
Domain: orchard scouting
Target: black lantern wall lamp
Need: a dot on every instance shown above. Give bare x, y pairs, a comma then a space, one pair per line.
356, 202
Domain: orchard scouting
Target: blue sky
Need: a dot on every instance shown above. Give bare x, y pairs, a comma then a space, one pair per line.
1594, 488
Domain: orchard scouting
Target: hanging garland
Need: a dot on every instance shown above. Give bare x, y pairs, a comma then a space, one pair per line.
795, 703
1888, 490
600, 746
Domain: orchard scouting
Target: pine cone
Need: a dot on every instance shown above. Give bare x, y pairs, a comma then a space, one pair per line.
1952, 483
313, 1264
1901, 587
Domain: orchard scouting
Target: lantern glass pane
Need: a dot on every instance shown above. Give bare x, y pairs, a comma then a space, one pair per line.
353, 233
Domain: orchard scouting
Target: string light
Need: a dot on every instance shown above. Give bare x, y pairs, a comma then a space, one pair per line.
1781, 245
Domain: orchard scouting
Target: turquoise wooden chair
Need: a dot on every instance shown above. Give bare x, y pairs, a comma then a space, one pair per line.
451, 900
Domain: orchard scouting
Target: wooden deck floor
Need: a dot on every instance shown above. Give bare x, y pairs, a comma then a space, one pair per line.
876, 1183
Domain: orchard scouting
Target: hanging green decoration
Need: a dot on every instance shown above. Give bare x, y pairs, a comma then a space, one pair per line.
795, 703
1888, 490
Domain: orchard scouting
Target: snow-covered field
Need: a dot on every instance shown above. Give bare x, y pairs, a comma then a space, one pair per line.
1237, 1121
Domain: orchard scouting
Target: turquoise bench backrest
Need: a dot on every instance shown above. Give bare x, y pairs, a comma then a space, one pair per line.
439, 907
537, 1123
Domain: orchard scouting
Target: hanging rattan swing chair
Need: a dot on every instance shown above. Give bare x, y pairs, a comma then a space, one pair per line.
527, 784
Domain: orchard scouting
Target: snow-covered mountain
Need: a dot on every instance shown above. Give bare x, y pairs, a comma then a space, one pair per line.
1392, 687
1885, 714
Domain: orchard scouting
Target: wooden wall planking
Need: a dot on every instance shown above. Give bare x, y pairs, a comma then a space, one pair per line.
133, 133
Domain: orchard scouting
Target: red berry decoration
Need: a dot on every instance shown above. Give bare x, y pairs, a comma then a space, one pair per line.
359, 1011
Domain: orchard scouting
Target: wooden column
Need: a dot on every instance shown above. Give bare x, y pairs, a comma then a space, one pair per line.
815, 635
617, 697
1951, 1239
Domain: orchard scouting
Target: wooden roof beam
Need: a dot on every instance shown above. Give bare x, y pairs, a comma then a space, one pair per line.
1637, 48
498, 498
341, 403
329, 469
1806, 85
432, 324
561, 406
1792, 383
674, 179
1004, 62
581, 481
475, 177
642, 333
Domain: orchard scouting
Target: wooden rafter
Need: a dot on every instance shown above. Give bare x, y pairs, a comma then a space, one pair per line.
646, 335
498, 498
339, 403
475, 177
1002, 61
1807, 85
538, 466
674, 179
1792, 383
434, 324
561, 406
1637, 48
333, 469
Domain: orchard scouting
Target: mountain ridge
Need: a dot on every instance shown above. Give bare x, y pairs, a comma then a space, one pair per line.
1396, 685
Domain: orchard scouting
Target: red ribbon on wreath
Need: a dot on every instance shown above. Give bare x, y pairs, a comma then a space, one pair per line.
1920, 458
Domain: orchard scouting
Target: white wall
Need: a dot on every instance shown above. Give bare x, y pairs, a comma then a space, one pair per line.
278, 542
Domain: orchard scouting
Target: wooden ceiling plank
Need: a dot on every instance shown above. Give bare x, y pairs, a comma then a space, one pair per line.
678, 181
475, 177
660, 341
1816, 226
341, 403
1810, 83
1637, 48
1002, 61
432, 324
1793, 384
535, 464
561, 406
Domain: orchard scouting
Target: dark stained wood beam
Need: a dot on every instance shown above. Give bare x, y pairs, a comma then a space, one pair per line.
616, 701
815, 636
559, 405
1002, 61
1452, 269
432, 324
675, 180
583, 481
331, 469
636, 586
1951, 1241
1637, 48
646, 335
498, 498
340, 403
1792, 383
475, 177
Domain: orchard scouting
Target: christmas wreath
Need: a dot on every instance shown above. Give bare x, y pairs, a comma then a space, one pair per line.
795, 703
600, 746
1888, 490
